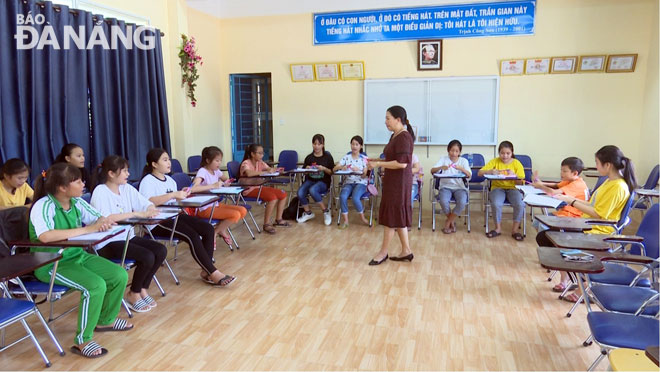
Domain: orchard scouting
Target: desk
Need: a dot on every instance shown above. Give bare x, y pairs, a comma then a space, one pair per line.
652, 352
578, 240
549, 179
648, 193
138, 221
501, 177
564, 223
185, 203
550, 258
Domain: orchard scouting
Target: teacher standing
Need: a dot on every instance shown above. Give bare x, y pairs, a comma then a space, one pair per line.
395, 212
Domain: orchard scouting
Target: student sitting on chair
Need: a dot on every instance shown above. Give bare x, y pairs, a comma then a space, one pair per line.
452, 163
316, 184
58, 214
417, 176
199, 234
15, 191
74, 155
254, 166
118, 200
608, 201
208, 177
501, 190
355, 185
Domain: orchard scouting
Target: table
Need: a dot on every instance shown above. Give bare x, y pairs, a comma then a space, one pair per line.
652, 352
549, 179
139, 221
578, 240
648, 193
496, 177
564, 223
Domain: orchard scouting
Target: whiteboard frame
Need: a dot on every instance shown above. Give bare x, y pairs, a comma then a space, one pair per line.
428, 108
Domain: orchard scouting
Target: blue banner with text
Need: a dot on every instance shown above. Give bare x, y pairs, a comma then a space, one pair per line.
436, 22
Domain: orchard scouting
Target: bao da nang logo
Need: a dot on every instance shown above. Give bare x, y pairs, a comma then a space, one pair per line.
29, 36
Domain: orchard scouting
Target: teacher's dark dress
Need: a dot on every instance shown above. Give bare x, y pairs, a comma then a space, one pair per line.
395, 209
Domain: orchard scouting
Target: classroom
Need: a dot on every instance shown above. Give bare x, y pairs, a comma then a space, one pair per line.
304, 294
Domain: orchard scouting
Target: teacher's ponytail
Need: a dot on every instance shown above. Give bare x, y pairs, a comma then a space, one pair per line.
410, 130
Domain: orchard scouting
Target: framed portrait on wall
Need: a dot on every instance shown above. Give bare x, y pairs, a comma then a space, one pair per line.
326, 71
621, 62
562, 65
302, 72
429, 55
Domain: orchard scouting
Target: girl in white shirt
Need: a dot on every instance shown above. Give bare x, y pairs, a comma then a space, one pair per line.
453, 163
118, 200
355, 185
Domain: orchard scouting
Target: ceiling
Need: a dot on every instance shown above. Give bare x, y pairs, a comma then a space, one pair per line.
252, 8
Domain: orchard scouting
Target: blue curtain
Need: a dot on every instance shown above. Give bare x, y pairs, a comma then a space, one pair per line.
48, 96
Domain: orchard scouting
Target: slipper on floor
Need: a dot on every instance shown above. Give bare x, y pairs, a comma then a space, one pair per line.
140, 306
150, 301
518, 236
572, 298
120, 325
447, 230
343, 226
224, 281
269, 228
492, 234
282, 223
560, 287
88, 350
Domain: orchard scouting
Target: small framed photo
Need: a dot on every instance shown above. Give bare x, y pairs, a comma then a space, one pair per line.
326, 71
512, 66
351, 70
536, 66
429, 55
302, 72
562, 65
591, 63
621, 62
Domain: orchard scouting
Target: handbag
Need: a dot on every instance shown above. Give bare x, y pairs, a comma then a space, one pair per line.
372, 189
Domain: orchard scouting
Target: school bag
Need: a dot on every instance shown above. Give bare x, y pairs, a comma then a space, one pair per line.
293, 211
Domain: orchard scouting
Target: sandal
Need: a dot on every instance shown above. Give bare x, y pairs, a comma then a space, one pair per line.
518, 236
140, 306
447, 230
560, 287
227, 239
269, 228
282, 223
572, 298
150, 301
88, 350
120, 325
343, 226
492, 234
224, 281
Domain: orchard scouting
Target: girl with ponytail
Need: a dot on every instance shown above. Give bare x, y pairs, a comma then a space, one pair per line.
395, 211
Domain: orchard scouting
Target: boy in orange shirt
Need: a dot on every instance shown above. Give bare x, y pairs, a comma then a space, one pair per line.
572, 185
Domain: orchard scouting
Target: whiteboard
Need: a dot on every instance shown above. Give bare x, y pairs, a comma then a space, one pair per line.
440, 109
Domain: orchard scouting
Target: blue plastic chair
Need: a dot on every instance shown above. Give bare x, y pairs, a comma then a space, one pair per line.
182, 180
643, 202
233, 170
599, 182
476, 183
176, 166
526, 162
288, 159
194, 163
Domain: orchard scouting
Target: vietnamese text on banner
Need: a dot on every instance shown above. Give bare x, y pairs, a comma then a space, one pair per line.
436, 22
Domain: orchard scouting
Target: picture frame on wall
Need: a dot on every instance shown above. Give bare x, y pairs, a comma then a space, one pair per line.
302, 72
563, 65
592, 63
510, 67
621, 62
326, 71
537, 66
351, 70
429, 55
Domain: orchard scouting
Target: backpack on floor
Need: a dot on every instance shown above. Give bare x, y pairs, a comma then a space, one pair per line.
293, 211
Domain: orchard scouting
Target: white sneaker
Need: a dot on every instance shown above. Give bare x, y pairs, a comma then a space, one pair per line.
327, 217
305, 217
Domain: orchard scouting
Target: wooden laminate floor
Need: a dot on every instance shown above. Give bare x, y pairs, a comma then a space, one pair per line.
305, 299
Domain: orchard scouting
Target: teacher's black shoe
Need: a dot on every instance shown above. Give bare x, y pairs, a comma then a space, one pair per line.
374, 262
408, 258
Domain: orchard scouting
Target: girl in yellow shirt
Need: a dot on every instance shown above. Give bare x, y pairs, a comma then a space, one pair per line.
15, 192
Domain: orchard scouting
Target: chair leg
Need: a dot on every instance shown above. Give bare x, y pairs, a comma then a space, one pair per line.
433, 216
603, 354
247, 226
233, 240
176, 280
575, 305
254, 222
128, 311
552, 275
371, 213
36, 343
588, 341
160, 287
